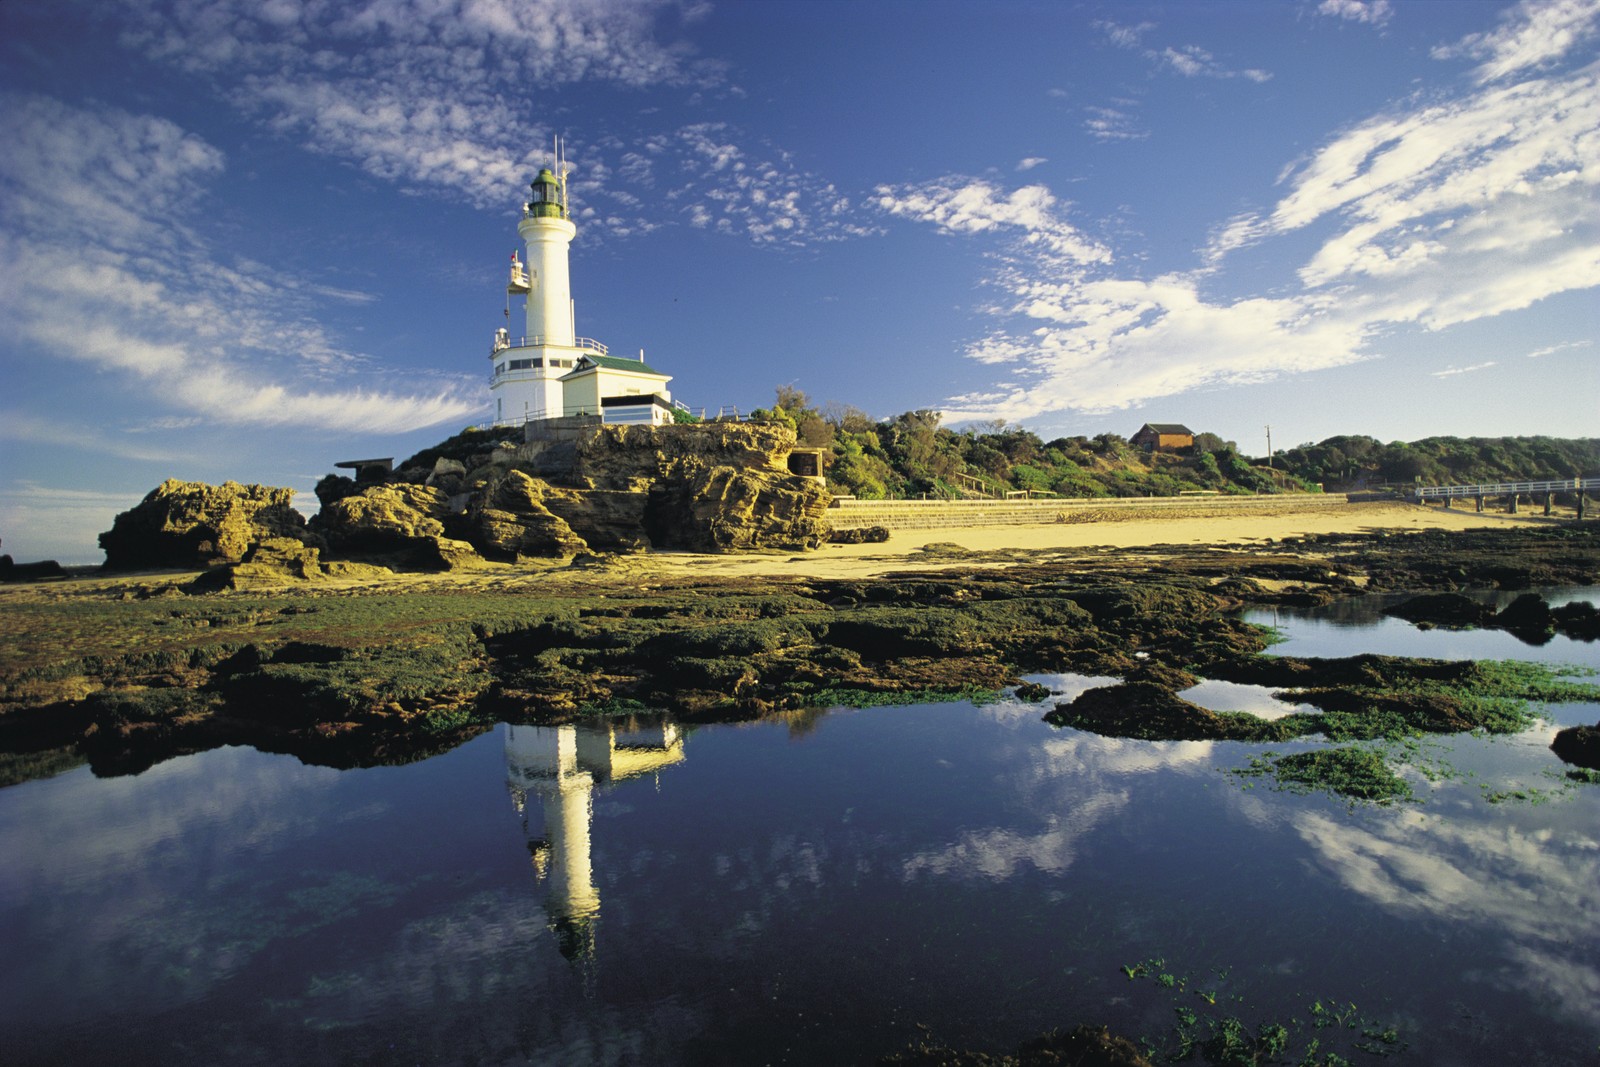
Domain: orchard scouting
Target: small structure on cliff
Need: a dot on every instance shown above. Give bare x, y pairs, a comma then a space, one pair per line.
1163, 437
550, 372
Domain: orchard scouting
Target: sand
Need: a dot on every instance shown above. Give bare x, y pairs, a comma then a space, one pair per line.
903, 549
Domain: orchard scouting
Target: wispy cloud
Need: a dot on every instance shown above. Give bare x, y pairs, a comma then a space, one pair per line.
1031, 162
100, 263
1565, 346
973, 206
1451, 371
1112, 124
1534, 33
1441, 211
1376, 12
1188, 60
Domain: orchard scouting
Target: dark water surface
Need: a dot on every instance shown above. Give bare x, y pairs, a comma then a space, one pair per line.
805, 891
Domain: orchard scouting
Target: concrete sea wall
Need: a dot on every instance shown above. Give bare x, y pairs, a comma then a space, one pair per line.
938, 514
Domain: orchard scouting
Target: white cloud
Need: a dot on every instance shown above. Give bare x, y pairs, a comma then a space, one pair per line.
437, 95
1565, 346
99, 265
1191, 61
1376, 12
1112, 124
1532, 34
1441, 211
1452, 371
1031, 162
972, 206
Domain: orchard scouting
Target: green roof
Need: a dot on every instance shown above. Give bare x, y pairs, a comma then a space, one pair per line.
617, 363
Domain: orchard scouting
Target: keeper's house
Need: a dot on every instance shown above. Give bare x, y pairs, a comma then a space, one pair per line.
1163, 437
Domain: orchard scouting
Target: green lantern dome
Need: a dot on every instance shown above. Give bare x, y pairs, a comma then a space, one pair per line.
549, 199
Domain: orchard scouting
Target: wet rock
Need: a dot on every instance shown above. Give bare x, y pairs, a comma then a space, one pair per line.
29, 572
192, 524
1442, 609
1143, 710
1579, 745
1578, 619
1527, 615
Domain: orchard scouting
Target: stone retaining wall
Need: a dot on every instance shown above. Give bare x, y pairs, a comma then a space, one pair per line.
935, 514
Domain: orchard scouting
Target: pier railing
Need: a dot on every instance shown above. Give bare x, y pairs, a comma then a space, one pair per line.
1558, 485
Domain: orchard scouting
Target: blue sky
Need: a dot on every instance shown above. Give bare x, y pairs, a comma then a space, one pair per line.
249, 238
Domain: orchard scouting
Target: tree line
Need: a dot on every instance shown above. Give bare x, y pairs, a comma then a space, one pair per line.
913, 455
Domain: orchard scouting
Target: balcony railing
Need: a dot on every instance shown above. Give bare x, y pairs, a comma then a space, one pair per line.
534, 342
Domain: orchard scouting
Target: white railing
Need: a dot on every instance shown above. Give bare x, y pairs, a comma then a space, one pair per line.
1560, 485
535, 342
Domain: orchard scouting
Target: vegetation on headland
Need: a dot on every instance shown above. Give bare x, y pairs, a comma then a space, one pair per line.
129, 673
913, 455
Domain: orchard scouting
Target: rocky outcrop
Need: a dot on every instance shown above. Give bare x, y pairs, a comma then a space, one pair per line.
584, 488
508, 520
722, 509
1579, 745
397, 523
568, 491
192, 524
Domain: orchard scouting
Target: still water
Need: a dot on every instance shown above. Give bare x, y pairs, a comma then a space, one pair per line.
799, 891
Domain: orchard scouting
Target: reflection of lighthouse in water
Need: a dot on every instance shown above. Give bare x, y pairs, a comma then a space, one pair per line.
562, 766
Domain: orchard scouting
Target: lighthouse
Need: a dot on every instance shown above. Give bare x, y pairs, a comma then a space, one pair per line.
550, 372
526, 381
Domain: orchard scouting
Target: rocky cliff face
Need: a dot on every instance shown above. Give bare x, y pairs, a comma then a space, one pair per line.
192, 524
569, 490
591, 488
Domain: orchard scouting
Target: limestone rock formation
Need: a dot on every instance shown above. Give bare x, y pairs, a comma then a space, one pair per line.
397, 522
508, 520
720, 509
192, 524
269, 563
577, 487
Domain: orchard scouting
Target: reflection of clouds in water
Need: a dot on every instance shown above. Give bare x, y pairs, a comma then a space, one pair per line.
484, 953
1001, 852
1063, 689
1066, 774
183, 830
1080, 754
1238, 696
1539, 889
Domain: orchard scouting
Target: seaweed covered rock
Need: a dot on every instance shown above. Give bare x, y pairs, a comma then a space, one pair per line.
192, 524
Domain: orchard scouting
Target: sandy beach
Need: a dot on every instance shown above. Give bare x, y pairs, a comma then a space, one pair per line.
905, 548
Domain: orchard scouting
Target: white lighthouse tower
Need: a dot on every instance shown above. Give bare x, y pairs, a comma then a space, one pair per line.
526, 380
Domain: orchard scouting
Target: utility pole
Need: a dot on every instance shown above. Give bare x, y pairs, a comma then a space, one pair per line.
1269, 448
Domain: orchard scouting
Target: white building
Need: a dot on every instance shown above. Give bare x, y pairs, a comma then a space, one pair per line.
550, 372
